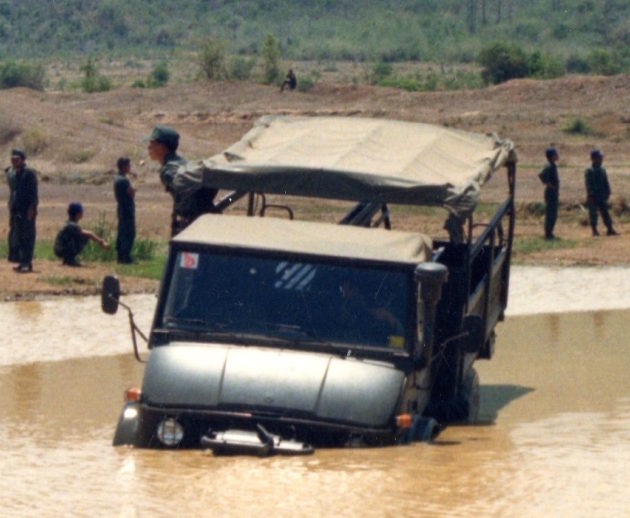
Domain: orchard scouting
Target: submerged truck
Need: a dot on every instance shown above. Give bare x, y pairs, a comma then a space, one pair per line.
273, 335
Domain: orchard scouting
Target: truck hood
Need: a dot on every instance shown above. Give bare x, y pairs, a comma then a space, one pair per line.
277, 381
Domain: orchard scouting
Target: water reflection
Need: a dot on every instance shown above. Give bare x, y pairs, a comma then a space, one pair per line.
554, 434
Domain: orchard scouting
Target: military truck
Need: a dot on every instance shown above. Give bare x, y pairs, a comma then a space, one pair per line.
273, 335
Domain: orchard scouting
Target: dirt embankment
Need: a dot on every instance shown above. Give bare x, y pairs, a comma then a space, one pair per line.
74, 139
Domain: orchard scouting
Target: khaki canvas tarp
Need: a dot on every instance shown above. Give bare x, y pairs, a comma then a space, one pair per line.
357, 159
308, 237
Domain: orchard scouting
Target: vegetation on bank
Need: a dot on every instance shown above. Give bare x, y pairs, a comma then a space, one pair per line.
248, 40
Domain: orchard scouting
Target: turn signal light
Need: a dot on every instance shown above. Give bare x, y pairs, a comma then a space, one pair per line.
403, 421
132, 395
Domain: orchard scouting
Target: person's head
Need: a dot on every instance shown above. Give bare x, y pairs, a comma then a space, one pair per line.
75, 211
18, 158
123, 164
597, 157
552, 154
162, 142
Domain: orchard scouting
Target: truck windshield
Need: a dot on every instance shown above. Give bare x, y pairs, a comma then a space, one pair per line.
305, 301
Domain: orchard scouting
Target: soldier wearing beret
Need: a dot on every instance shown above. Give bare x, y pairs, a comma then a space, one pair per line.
549, 177
597, 193
23, 202
126, 211
190, 198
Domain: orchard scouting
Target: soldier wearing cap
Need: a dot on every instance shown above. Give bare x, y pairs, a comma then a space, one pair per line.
190, 198
549, 177
597, 193
23, 201
126, 211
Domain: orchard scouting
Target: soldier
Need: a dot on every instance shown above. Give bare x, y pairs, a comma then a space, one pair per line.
12, 238
71, 239
597, 193
290, 80
549, 177
23, 210
190, 198
125, 195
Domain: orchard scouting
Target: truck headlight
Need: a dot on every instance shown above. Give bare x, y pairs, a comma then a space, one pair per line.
170, 432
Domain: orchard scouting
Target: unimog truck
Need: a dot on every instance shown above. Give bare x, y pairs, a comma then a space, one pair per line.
273, 335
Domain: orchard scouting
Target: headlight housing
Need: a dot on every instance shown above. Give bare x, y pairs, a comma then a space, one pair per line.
170, 432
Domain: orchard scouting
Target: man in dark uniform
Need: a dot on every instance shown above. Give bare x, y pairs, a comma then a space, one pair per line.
190, 198
597, 193
12, 237
71, 239
549, 177
23, 209
126, 211
290, 80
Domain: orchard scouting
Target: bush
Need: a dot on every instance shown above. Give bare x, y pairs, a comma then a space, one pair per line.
305, 84
271, 58
92, 80
159, 76
603, 62
544, 66
241, 68
34, 141
212, 59
577, 65
576, 126
502, 62
13, 74
380, 71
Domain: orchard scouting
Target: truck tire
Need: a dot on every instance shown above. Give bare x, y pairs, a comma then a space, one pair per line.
463, 407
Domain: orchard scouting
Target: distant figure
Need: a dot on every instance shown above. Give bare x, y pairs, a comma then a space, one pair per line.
597, 193
549, 177
190, 197
23, 202
290, 80
71, 239
126, 211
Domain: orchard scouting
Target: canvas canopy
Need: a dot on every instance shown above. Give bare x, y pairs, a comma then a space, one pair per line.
308, 237
358, 159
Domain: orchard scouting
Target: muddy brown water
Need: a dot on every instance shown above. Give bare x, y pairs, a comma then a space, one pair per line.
554, 437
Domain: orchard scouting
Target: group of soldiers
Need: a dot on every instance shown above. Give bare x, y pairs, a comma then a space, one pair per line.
190, 199
597, 192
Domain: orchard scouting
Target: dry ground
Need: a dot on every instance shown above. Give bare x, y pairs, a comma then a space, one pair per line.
74, 139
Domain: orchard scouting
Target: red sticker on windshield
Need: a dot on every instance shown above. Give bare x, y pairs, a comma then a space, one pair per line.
189, 261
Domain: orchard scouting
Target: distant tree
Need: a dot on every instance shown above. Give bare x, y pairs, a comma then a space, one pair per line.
271, 59
212, 59
92, 80
502, 62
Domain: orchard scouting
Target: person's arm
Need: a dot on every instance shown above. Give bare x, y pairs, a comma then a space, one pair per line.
93, 237
31, 210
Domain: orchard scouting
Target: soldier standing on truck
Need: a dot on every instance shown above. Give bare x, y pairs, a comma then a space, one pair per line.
190, 198
597, 193
549, 177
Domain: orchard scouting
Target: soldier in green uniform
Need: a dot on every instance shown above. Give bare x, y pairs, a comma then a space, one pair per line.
190, 198
23, 210
126, 211
71, 239
549, 177
597, 193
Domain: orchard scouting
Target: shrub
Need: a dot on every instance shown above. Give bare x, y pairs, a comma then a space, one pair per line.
159, 76
34, 140
502, 62
603, 62
212, 59
577, 65
92, 80
544, 66
271, 58
14, 74
380, 71
576, 126
305, 84
241, 68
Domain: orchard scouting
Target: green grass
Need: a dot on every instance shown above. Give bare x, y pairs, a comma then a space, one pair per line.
531, 245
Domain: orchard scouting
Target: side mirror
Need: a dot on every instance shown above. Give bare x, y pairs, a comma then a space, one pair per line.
110, 293
473, 327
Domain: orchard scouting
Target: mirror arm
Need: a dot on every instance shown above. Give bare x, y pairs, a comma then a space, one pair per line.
134, 329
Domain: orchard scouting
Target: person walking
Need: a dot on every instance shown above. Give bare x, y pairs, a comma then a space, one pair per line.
549, 177
126, 211
23, 211
71, 239
597, 193
190, 197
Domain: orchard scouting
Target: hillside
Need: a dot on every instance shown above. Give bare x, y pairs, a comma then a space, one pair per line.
424, 30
